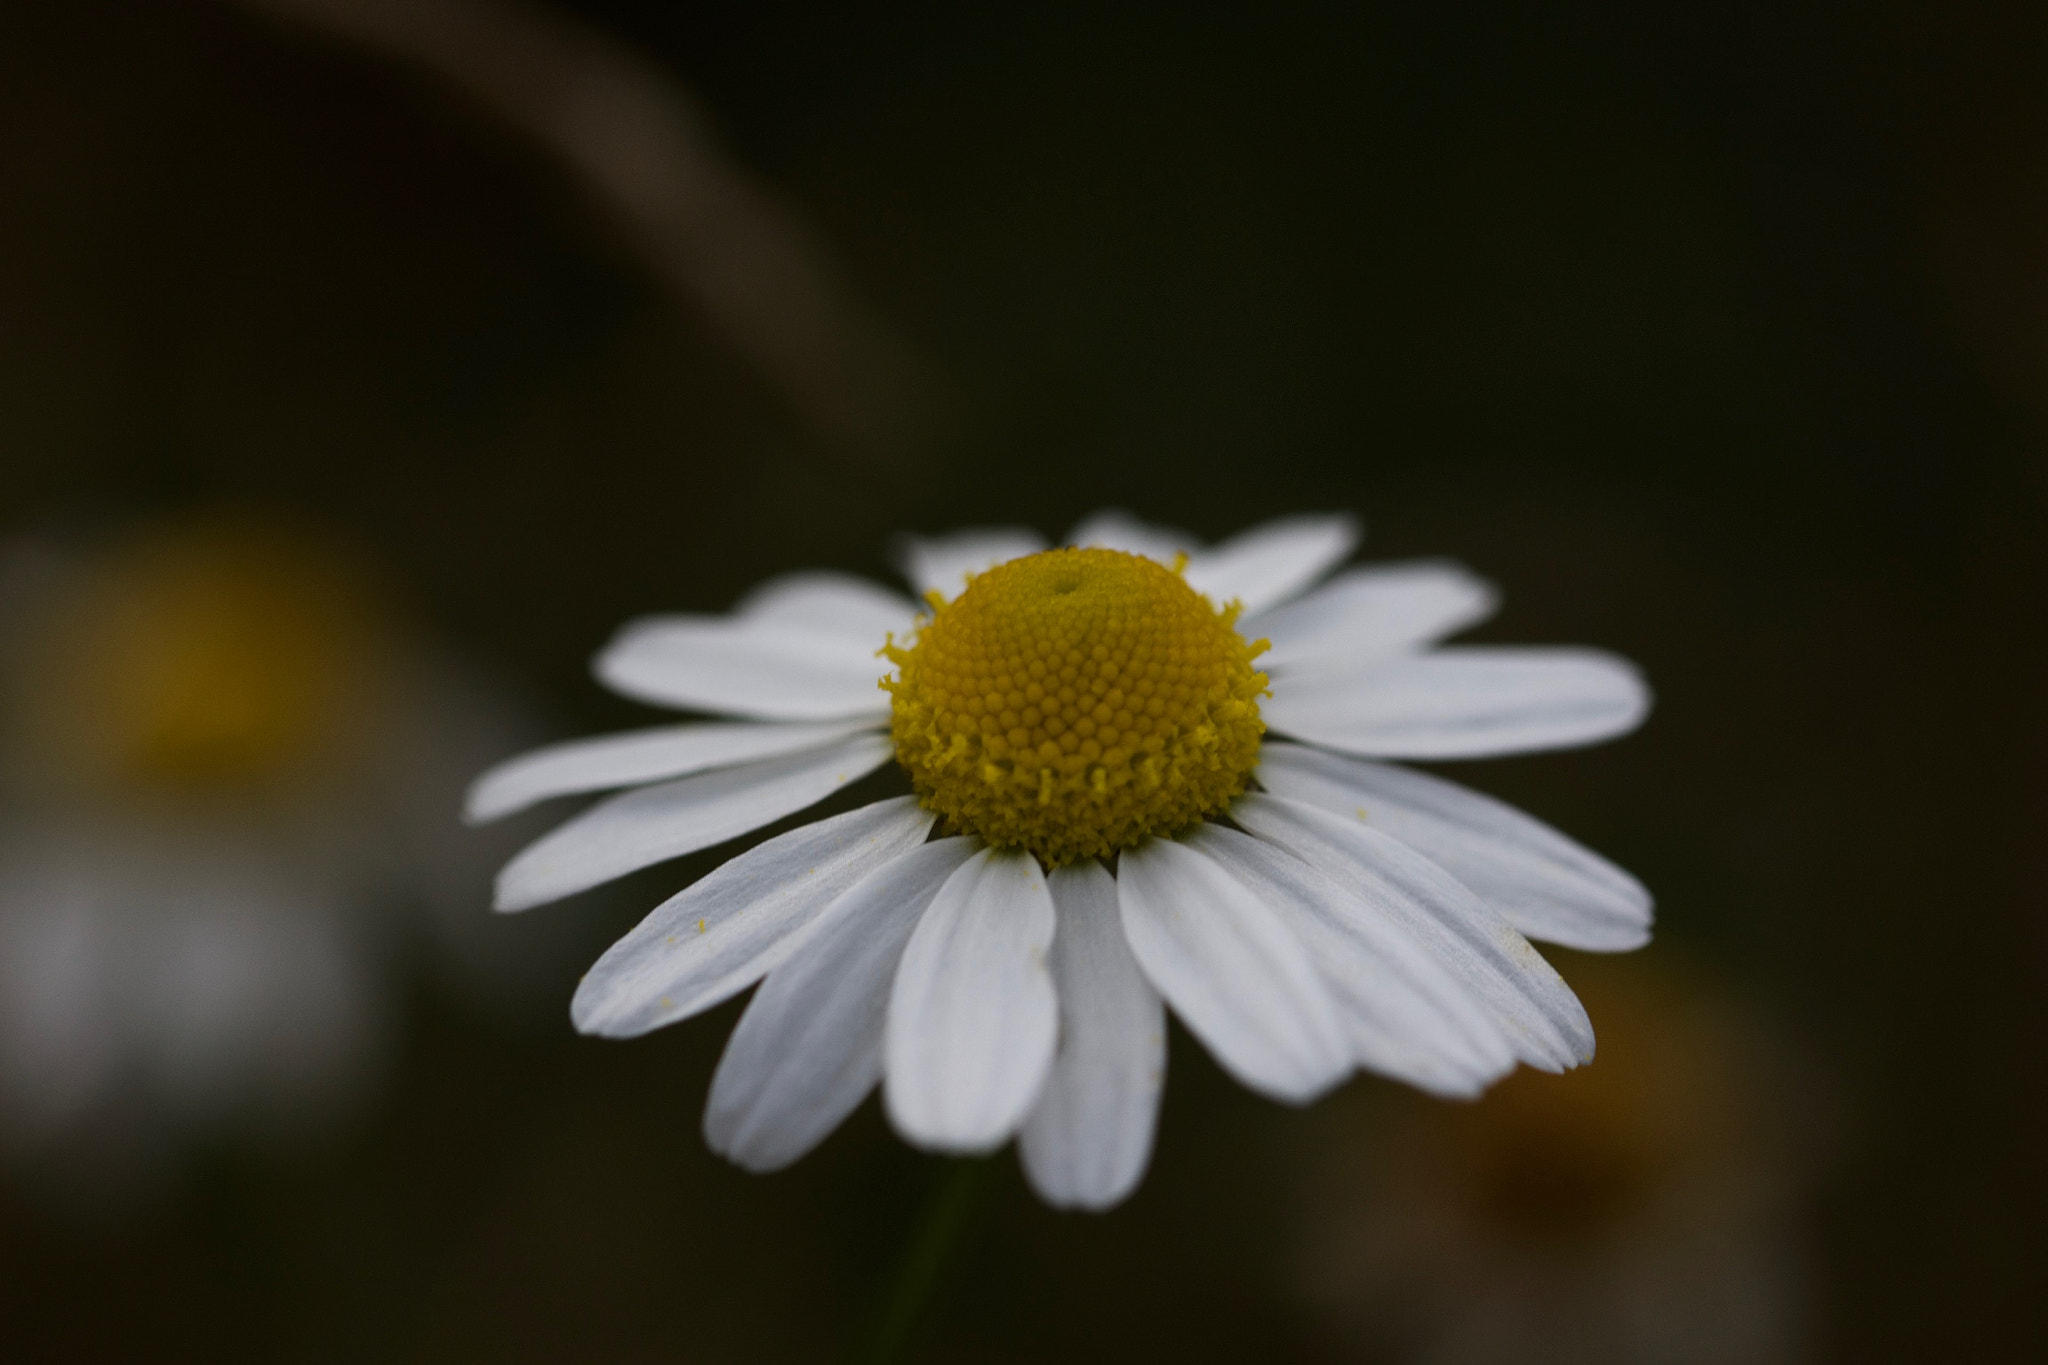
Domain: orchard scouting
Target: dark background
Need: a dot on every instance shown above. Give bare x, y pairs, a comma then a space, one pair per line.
1717, 334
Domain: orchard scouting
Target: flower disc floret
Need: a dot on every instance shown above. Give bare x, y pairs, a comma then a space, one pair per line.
1076, 702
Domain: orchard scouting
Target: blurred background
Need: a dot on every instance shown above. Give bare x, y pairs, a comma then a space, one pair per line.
363, 363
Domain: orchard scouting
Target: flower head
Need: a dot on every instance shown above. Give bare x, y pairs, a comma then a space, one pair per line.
219, 756
1537, 1227
1102, 826
1075, 703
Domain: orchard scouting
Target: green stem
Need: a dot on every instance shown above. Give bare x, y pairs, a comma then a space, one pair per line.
939, 1233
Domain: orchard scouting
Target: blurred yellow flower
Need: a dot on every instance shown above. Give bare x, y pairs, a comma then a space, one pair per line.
214, 737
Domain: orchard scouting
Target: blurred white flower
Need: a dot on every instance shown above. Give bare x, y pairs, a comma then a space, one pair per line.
1082, 725
1647, 1211
217, 751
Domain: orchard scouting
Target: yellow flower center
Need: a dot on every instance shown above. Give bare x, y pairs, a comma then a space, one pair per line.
1076, 702
207, 657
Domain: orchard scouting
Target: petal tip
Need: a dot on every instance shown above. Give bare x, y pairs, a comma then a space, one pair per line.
1070, 1202
479, 806
587, 1014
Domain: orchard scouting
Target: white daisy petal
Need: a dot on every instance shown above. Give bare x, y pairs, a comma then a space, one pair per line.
1365, 616
738, 922
1089, 1137
809, 1047
653, 824
1268, 564
1232, 970
624, 760
1407, 1016
1115, 529
942, 563
972, 1016
832, 604
775, 669
1546, 885
1545, 1023
1463, 702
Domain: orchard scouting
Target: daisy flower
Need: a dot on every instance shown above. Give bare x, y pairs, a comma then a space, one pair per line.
1650, 1210
216, 746
1106, 823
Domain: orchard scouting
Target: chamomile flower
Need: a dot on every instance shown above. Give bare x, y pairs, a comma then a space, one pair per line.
1146, 774
1651, 1210
217, 752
